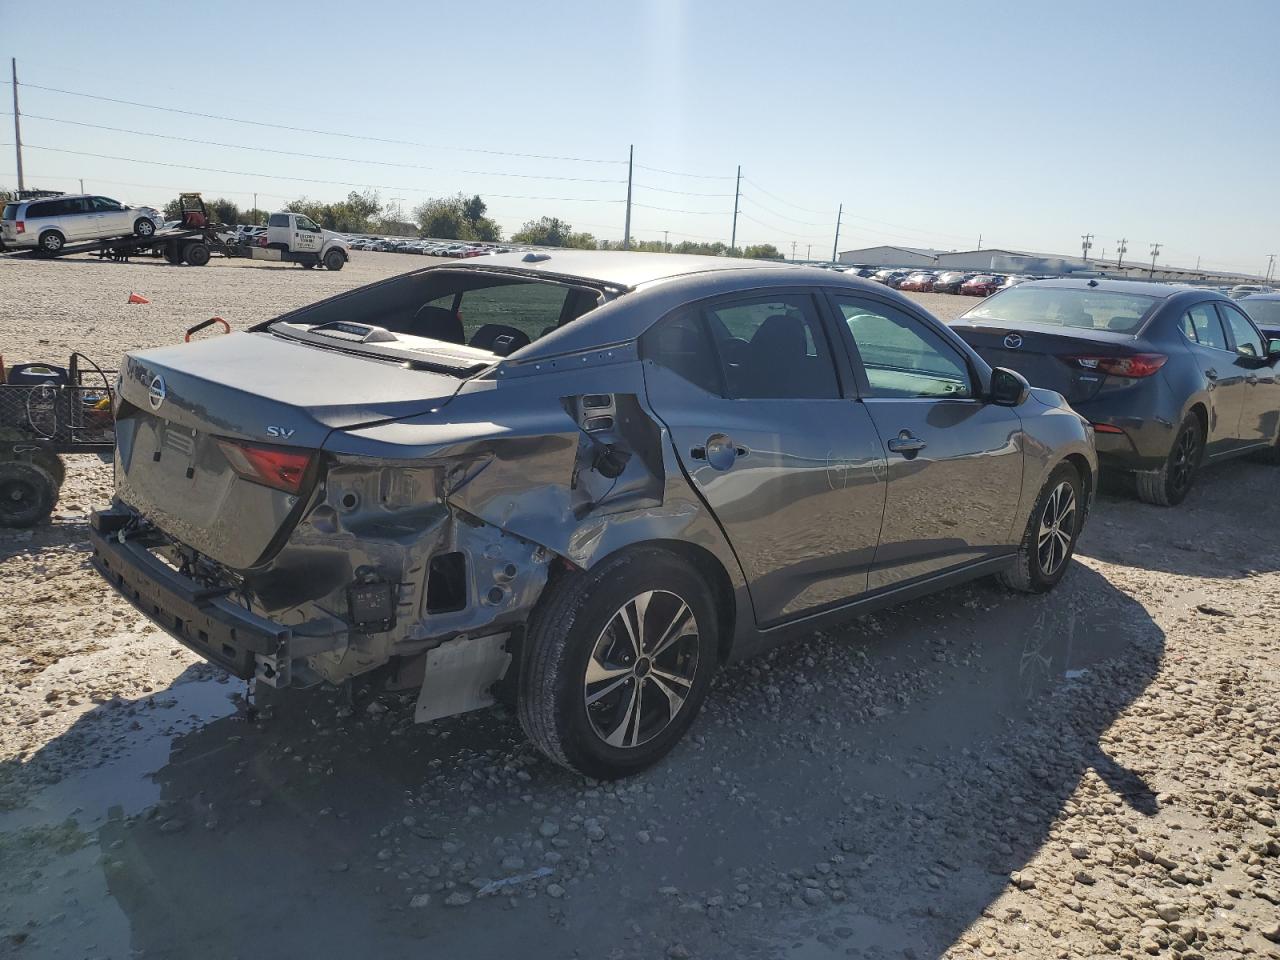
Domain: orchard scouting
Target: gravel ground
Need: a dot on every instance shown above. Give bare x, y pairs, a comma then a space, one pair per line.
978, 774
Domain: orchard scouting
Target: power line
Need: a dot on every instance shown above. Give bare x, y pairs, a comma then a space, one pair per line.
677, 173
783, 216
314, 156
805, 236
781, 200
324, 133
683, 193
695, 213
275, 176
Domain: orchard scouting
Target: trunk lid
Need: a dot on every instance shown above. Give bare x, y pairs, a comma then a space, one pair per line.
1039, 354
176, 402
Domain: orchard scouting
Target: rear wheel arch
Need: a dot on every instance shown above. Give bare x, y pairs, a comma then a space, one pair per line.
717, 580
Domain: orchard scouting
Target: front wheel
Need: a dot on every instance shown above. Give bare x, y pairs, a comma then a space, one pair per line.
1169, 486
144, 227
334, 260
1051, 535
618, 662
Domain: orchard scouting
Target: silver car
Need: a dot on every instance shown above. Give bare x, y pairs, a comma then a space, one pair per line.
577, 482
50, 223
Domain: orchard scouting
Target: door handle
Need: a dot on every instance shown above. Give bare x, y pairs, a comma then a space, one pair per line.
906, 444
719, 452
1211, 373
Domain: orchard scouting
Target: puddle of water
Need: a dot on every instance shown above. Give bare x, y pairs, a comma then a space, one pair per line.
124, 785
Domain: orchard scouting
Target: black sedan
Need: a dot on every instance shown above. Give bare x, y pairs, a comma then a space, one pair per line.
1170, 377
1264, 309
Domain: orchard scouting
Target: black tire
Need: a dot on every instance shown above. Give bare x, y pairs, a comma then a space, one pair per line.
51, 243
51, 463
196, 254
1043, 557
307, 265
1169, 486
578, 625
334, 260
27, 493
144, 227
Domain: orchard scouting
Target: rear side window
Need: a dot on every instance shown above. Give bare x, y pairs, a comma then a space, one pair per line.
772, 348
902, 357
1201, 325
680, 343
37, 210
1248, 342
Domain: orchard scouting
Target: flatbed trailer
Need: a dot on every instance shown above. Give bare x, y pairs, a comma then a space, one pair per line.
197, 240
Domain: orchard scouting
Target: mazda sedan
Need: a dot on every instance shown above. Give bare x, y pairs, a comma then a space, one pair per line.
1170, 377
576, 482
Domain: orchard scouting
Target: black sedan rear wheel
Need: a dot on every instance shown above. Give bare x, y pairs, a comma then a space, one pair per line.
618, 662
1169, 486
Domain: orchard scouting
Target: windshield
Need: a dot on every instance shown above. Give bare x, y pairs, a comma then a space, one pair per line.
1265, 313
1084, 308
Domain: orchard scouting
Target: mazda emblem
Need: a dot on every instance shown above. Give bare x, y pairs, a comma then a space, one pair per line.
156, 392
1013, 341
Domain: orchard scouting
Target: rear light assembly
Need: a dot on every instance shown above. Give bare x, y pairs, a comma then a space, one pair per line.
281, 468
1105, 428
1132, 365
21, 226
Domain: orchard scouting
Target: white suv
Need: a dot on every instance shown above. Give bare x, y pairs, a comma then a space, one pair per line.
49, 224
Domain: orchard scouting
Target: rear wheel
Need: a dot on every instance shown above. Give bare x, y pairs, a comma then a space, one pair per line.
172, 252
1052, 531
618, 663
144, 227
27, 493
52, 242
1169, 485
196, 254
334, 260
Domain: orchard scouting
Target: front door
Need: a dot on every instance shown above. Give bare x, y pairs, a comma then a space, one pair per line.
954, 460
306, 236
763, 426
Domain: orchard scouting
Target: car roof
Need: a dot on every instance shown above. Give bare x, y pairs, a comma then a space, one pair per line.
1160, 291
617, 268
1261, 296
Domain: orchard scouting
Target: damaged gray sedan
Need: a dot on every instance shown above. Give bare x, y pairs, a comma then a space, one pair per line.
576, 482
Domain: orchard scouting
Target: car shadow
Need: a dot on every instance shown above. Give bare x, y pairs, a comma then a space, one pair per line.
902, 767
1223, 530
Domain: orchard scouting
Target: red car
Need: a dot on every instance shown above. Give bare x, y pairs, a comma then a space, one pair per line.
983, 285
919, 282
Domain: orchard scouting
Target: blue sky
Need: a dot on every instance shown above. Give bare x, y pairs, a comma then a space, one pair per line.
932, 122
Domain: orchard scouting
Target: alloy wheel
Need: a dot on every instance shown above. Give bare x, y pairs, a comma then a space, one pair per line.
641, 669
1057, 528
1183, 459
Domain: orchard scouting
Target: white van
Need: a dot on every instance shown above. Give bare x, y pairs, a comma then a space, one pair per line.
49, 224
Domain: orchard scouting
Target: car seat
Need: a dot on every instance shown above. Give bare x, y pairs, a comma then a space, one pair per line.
438, 323
778, 362
499, 338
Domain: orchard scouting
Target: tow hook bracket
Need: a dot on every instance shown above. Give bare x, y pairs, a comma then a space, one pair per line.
287, 665
460, 674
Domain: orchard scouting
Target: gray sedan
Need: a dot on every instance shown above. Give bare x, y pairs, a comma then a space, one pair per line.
577, 482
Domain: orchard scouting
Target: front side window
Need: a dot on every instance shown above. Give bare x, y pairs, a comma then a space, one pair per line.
1201, 325
1248, 342
902, 357
306, 223
104, 205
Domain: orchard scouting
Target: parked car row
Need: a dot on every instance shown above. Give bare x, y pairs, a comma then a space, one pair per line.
431, 248
944, 281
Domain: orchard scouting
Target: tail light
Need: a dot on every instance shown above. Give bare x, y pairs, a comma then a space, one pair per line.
1130, 365
21, 226
1105, 428
281, 468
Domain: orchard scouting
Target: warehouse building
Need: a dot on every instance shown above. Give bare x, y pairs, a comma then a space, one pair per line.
892, 257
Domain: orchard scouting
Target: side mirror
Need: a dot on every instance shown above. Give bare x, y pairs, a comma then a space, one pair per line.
1008, 387
1273, 349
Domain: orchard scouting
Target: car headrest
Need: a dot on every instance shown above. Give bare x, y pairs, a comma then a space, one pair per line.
438, 323
500, 339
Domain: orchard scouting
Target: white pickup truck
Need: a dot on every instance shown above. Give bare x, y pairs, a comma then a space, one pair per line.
296, 238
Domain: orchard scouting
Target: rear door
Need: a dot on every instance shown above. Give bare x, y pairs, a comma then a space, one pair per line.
954, 460
771, 438
1208, 342
1258, 407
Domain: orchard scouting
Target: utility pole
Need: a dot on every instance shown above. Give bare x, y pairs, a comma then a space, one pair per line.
808, 253
836, 246
737, 191
82, 184
1122, 250
1086, 243
979, 241
793, 249
666, 247
1155, 252
1271, 262
626, 230
17, 122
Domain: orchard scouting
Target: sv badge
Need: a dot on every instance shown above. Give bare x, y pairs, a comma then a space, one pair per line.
280, 433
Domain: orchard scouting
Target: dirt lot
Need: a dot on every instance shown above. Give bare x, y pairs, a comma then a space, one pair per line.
1088, 774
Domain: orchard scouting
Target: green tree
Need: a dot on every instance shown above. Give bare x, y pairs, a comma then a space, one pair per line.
553, 232
456, 218
763, 251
